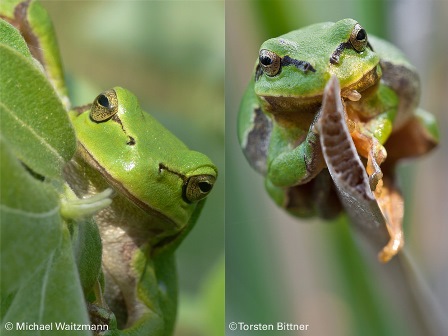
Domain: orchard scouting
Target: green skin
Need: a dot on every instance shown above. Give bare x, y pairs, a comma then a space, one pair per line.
278, 113
158, 189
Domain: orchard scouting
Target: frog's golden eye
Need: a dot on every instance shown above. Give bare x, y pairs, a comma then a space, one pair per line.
269, 62
358, 38
197, 187
104, 106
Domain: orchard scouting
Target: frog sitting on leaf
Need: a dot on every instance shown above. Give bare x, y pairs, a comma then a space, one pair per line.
281, 110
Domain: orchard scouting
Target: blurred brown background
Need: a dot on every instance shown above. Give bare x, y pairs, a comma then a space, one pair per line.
279, 268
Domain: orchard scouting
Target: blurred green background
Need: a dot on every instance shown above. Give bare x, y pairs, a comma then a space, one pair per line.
281, 269
171, 56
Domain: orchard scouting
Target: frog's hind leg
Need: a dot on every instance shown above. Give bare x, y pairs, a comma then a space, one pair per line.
317, 197
421, 135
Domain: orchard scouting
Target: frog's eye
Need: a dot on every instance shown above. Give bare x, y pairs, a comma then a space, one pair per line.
104, 106
358, 38
197, 187
269, 62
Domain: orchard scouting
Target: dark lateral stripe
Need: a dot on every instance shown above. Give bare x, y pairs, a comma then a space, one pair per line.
131, 141
164, 167
82, 109
301, 65
334, 58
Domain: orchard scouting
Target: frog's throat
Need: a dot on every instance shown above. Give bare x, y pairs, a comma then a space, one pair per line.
87, 157
293, 104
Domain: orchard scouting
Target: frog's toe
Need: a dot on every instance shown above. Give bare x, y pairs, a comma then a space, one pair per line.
102, 318
74, 208
394, 246
374, 179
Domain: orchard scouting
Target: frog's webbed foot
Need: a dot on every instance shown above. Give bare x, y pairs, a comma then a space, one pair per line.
100, 315
102, 318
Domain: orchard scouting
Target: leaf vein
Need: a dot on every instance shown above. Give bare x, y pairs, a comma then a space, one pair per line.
21, 212
44, 288
33, 132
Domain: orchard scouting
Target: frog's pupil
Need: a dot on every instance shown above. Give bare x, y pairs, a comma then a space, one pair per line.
103, 101
265, 60
205, 187
361, 35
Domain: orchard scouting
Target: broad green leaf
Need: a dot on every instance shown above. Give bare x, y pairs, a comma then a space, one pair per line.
53, 295
33, 119
30, 224
86, 243
11, 37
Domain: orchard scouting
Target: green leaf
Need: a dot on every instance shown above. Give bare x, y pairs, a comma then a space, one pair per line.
30, 222
86, 243
33, 119
53, 295
11, 37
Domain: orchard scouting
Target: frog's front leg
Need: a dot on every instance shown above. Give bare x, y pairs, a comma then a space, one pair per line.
290, 167
155, 301
317, 197
157, 291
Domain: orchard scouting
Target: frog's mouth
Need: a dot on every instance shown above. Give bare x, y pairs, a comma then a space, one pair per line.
171, 241
290, 104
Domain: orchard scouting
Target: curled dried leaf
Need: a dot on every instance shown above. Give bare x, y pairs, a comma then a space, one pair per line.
378, 215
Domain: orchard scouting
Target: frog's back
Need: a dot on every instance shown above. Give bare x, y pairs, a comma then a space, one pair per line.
388, 52
400, 75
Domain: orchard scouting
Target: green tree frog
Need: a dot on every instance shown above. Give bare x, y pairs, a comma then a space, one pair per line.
160, 186
278, 114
